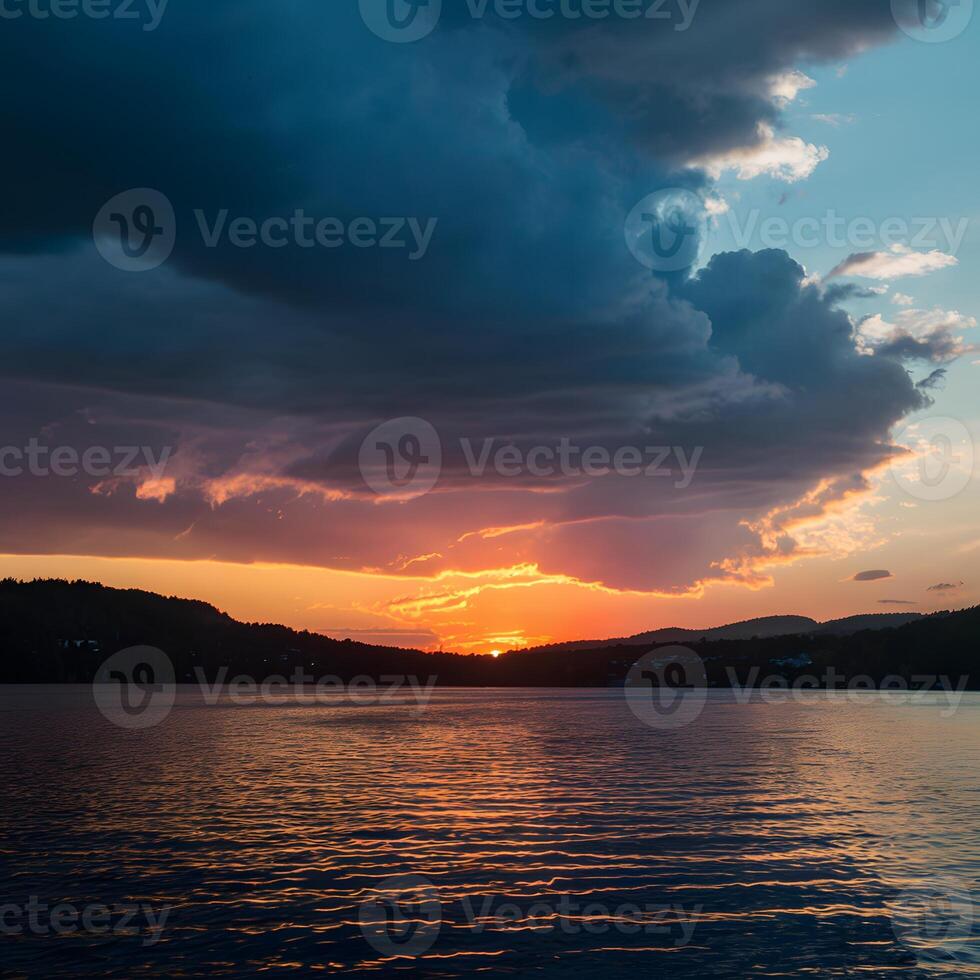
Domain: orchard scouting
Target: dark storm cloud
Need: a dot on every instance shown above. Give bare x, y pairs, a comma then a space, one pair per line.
527, 318
871, 576
690, 95
767, 431
935, 380
304, 108
258, 110
939, 348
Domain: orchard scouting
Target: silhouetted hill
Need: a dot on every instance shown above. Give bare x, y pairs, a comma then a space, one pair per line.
58, 631
746, 630
869, 621
945, 643
54, 630
764, 626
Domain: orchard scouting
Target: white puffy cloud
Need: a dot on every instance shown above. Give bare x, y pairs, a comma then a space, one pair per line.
897, 262
931, 335
835, 119
787, 158
785, 86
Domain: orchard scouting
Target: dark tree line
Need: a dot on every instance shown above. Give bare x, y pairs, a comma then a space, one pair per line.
55, 631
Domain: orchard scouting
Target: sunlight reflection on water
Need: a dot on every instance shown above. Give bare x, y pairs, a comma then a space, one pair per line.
555, 833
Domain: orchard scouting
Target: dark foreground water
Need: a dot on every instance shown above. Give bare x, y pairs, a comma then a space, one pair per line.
544, 833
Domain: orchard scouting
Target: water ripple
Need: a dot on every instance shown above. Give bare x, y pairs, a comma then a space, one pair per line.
542, 833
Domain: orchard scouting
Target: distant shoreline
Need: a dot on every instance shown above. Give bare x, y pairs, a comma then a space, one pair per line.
63, 632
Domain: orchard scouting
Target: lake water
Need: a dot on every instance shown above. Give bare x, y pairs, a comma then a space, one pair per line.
529, 832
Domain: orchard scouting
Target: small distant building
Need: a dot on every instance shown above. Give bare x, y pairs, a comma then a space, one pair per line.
78, 644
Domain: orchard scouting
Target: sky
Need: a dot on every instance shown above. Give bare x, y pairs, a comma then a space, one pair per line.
476, 328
